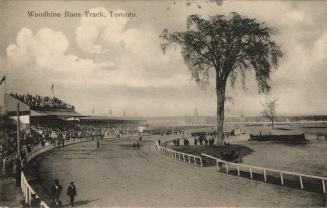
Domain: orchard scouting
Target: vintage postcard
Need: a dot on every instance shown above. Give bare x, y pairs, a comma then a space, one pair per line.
165, 103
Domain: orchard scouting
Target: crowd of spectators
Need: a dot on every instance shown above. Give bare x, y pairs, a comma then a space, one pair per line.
43, 134
38, 102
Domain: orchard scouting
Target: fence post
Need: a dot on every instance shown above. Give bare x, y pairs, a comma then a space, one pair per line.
21, 181
26, 193
201, 161
323, 186
281, 178
194, 161
238, 170
251, 173
264, 175
189, 159
184, 157
29, 196
179, 156
301, 182
226, 168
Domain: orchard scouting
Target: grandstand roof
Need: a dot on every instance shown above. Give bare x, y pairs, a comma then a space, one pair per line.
54, 113
11, 104
109, 118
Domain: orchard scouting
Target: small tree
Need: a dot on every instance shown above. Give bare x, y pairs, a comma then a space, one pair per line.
229, 45
269, 108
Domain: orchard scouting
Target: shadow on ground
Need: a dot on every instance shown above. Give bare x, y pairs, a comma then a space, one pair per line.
216, 151
81, 202
290, 181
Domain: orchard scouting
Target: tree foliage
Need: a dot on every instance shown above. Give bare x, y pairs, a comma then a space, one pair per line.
269, 108
230, 45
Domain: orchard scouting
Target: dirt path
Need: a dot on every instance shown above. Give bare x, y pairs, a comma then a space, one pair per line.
118, 175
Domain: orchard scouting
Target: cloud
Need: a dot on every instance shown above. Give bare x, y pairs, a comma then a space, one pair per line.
47, 50
35, 61
106, 29
136, 50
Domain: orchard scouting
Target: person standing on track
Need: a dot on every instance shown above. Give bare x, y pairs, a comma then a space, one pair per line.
137, 145
72, 192
55, 192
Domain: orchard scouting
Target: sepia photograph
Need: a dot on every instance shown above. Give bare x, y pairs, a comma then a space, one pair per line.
163, 103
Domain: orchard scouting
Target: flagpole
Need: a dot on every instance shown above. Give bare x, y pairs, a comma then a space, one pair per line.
5, 85
4, 94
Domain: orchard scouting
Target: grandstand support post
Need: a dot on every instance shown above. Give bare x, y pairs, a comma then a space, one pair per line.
3, 166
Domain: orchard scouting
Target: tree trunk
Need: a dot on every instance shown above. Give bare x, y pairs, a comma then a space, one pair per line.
220, 90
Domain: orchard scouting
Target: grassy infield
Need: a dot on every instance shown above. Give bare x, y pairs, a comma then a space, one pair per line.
287, 156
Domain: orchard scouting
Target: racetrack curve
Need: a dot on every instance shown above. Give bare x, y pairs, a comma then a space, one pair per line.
118, 175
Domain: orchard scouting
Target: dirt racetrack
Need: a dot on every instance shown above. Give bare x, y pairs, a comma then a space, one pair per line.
118, 175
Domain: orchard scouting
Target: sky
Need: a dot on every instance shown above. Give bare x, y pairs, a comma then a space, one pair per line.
117, 62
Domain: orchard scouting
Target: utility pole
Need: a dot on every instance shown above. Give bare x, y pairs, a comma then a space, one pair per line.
18, 140
18, 161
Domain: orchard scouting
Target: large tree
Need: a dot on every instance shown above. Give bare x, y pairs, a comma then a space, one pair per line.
229, 45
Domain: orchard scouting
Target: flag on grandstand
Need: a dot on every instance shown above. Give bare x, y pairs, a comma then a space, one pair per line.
3, 79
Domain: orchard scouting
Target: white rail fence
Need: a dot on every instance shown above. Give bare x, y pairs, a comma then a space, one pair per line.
188, 158
11, 158
25, 186
251, 169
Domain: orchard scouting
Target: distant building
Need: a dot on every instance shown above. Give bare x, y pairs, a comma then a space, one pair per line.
196, 113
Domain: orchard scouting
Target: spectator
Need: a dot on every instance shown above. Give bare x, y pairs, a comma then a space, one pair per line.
35, 202
55, 191
72, 192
